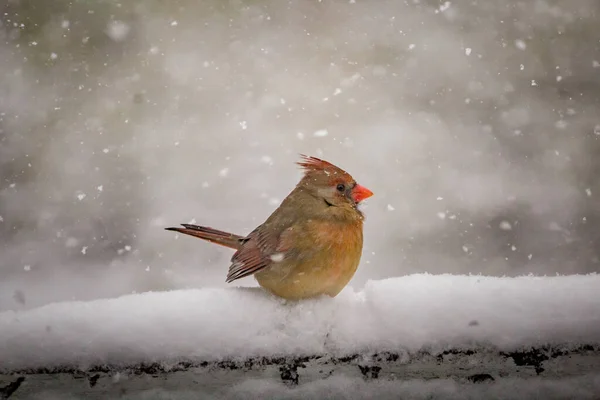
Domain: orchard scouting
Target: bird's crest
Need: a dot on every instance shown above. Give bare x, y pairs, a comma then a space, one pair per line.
313, 164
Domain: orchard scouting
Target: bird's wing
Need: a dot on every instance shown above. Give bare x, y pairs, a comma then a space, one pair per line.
259, 250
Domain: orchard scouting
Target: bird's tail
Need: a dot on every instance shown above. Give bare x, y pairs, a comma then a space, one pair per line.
212, 235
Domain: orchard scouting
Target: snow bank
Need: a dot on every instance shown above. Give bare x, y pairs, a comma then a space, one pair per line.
408, 314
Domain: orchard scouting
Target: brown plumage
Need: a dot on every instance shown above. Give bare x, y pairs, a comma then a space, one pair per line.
310, 245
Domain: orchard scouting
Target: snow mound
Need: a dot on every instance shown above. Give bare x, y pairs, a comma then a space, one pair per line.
409, 314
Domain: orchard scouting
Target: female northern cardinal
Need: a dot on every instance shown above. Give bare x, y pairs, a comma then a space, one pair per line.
310, 245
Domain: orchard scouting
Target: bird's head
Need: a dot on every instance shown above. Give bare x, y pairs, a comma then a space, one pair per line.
332, 184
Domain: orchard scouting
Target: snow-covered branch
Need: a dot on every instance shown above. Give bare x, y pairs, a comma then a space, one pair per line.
408, 316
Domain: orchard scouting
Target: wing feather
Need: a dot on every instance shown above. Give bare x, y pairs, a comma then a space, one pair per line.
260, 250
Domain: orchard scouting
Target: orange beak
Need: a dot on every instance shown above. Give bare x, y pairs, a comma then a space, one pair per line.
359, 193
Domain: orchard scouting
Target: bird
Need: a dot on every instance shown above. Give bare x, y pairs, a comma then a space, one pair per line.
310, 245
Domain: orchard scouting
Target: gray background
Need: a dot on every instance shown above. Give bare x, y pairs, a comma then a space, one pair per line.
476, 124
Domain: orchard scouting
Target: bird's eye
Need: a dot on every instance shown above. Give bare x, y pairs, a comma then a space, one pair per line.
340, 187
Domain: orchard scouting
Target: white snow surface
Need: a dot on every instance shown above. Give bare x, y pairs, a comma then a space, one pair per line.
405, 314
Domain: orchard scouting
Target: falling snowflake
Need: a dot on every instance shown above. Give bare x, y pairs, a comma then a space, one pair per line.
505, 226
444, 6
117, 30
267, 160
521, 45
277, 257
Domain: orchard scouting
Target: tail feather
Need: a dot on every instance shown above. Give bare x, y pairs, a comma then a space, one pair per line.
226, 239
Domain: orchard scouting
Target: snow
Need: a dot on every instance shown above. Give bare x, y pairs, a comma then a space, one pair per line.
521, 45
277, 257
505, 226
224, 172
267, 160
444, 6
408, 314
117, 30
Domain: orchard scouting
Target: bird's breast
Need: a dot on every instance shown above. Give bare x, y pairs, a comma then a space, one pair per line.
323, 259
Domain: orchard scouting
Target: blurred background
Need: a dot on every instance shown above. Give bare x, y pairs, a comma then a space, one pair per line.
476, 124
